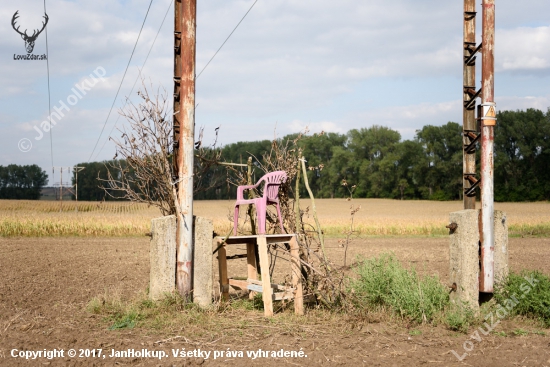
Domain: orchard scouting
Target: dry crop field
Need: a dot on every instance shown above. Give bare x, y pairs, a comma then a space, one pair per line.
376, 217
57, 269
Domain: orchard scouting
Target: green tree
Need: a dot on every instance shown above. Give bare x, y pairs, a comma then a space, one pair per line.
374, 159
22, 182
88, 183
319, 151
522, 155
442, 172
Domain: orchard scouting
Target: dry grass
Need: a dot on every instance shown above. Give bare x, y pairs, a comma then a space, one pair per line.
377, 217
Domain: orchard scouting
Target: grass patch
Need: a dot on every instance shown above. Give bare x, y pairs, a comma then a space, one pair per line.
525, 294
126, 321
520, 332
529, 230
240, 319
383, 283
119, 314
459, 318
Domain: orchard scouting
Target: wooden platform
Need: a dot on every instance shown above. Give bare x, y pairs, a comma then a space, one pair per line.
270, 292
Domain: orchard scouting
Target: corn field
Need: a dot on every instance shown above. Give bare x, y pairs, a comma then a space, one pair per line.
376, 217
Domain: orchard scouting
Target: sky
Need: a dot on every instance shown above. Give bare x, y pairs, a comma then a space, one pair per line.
327, 65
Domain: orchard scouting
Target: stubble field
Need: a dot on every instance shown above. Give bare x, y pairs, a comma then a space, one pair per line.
56, 267
376, 217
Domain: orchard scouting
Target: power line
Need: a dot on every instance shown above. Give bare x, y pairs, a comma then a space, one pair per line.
139, 74
234, 29
120, 86
208, 63
49, 94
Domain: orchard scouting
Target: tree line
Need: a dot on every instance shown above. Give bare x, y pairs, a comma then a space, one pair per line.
382, 165
429, 166
22, 182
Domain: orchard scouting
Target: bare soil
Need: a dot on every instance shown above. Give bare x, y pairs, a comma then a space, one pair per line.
46, 284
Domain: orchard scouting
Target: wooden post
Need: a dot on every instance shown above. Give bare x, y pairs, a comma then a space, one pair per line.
469, 126
251, 265
61, 191
224, 280
297, 277
267, 292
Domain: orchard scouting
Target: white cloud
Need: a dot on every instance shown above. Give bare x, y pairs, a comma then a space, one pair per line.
315, 127
311, 62
522, 103
407, 119
523, 49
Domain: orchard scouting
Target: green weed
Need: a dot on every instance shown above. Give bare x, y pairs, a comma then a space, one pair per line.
520, 332
526, 294
459, 318
384, 283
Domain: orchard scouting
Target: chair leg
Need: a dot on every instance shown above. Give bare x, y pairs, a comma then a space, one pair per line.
260, 213
280, 218
235, 220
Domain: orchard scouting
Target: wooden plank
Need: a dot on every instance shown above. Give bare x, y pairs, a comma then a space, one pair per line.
251, 265
242, 284
237, 256
296, 267
222, 267
282, 295
270, 238
277, 287
266, 281
255, 288
279, 238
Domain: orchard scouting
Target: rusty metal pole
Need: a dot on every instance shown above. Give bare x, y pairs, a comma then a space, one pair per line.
185, 145
470, 134
488, 121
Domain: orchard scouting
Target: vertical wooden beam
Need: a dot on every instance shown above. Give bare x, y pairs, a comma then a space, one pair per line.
267, 292
296, 276
251, 265
222, 267
469, 86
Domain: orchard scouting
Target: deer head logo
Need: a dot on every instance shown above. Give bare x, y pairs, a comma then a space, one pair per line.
29, 40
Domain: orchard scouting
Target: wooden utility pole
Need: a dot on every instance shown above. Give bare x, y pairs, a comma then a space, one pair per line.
185, 21
470, 133
61, 192
76, 170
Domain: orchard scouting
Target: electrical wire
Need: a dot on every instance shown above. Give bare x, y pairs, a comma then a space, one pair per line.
204, 68
49, 93
234, 29
122, 81
139, 74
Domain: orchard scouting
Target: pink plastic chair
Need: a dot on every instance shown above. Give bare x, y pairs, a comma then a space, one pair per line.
270, 197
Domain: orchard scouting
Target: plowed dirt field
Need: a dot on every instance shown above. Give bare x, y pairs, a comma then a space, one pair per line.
47, 283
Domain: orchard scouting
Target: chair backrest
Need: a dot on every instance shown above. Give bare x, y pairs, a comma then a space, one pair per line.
272, 182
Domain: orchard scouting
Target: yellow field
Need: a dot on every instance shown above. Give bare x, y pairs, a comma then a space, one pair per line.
377, 217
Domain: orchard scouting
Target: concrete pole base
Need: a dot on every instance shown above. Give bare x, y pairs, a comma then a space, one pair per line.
203, 234
162, 254
464, 255
163, 259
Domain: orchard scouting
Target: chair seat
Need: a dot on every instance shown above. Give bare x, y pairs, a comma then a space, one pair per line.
254, 201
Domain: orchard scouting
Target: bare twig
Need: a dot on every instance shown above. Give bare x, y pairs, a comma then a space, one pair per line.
144, 173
